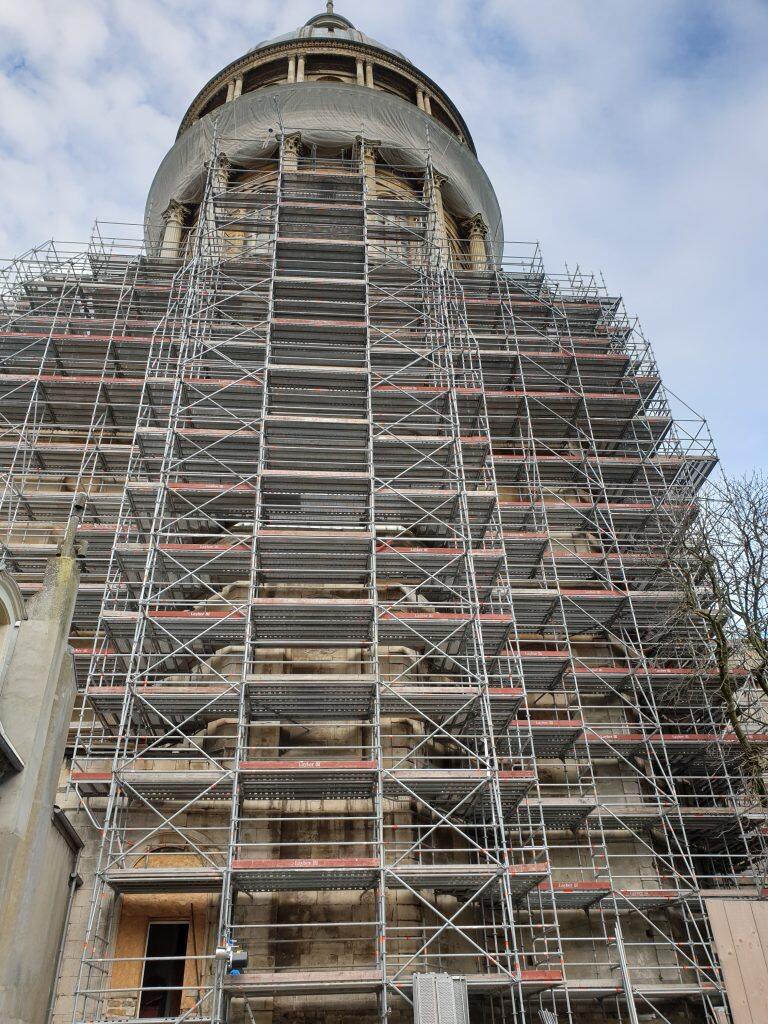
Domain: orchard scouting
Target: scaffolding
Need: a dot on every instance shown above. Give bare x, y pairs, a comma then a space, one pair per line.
377, 639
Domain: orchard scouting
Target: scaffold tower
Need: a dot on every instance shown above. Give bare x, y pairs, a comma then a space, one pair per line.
381, 672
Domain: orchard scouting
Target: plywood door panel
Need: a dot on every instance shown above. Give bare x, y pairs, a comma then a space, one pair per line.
742, 918
740, 931
726, 951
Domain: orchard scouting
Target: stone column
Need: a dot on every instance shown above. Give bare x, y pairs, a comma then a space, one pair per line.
440, 239
477, 233
420, 99
221, 171
219, 183
370, 148
360, 67
173, 218
427, 103
291, 69
291, 144
300, 68
230, 90
369, 73
238, 90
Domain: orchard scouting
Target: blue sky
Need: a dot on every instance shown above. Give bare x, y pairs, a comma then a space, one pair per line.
627, 136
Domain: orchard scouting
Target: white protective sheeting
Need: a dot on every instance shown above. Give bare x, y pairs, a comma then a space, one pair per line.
326, 114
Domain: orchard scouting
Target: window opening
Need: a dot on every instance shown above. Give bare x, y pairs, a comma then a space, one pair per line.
163, 977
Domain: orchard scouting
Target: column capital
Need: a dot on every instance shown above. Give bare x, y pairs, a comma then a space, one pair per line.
476, 226
220, 163
291, 141
175, 212
438, 178
367, 143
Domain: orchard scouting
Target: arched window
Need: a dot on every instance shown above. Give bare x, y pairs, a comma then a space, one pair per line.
12, 610
11, 602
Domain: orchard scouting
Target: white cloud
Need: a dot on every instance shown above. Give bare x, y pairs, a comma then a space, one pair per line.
626, 136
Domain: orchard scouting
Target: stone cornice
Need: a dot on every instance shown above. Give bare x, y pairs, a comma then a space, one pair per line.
341, 46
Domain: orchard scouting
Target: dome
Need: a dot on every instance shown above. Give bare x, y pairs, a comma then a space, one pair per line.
328, 26
325, 49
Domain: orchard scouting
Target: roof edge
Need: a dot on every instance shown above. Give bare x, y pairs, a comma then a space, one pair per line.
391, 58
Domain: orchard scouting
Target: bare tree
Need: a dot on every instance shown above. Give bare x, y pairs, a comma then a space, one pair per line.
719, 556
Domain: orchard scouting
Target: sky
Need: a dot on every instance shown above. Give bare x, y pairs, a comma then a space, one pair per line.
628, 137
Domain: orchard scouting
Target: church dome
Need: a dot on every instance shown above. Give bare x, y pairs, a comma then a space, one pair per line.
327, 27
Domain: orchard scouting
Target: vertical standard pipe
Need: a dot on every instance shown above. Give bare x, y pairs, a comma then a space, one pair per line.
625, 979
368, 161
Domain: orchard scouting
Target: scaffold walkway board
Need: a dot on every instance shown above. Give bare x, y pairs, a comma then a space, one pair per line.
318, 982
469, 879
146, 880
158, 786
254, 875
463, 791
550, 738
308, 780
305, 698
